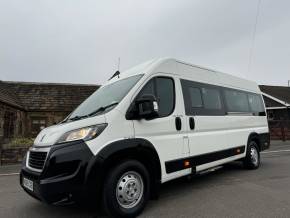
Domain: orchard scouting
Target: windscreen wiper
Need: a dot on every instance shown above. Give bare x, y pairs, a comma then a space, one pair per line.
103, 108
78, 117
100, 109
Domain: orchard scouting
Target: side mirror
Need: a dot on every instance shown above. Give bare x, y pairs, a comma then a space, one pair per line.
147, 107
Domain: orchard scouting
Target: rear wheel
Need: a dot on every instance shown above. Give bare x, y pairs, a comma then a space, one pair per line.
252, 159
126, 189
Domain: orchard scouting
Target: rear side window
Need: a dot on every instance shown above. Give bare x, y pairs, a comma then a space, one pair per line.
236, 101
195, 97
256, 103
163, 89
212, 99
202, 99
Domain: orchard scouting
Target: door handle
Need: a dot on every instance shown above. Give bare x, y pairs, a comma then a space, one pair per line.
191, 123
178, 123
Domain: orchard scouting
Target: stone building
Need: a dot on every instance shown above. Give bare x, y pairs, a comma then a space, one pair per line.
26, 107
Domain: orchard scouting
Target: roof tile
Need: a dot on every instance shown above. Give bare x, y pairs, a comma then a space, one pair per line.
45, 96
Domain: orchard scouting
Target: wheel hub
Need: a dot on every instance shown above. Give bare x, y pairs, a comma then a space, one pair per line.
254, 156
129, 190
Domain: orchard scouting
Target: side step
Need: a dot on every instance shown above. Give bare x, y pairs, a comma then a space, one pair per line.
210, 170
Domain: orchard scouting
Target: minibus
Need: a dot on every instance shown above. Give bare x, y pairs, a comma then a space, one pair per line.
153, 123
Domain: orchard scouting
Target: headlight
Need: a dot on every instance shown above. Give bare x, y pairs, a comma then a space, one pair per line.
85, 133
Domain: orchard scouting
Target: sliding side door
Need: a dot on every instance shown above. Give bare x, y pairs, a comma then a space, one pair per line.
209, 133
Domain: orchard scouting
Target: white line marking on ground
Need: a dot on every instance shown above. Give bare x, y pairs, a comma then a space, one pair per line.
278, 151
9, 174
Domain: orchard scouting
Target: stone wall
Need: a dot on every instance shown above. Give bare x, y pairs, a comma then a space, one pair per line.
12, 155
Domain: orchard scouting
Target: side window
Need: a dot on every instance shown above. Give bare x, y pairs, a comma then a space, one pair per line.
166, 96
195, 97
148, 89
163, 89
256, 103
202, 99
236, 101
211, 98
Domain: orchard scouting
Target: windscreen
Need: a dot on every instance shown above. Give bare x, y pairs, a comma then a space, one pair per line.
107, 95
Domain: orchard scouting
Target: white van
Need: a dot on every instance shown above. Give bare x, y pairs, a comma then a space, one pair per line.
153, 123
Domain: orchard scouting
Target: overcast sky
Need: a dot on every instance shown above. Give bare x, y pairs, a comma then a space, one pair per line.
79, 41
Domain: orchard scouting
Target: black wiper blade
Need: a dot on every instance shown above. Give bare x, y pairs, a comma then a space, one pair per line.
77, 118
101, 109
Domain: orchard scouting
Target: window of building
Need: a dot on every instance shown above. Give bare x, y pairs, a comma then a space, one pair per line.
37, 124
9, 124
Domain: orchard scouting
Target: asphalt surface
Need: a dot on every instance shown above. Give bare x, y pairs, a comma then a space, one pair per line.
227, 192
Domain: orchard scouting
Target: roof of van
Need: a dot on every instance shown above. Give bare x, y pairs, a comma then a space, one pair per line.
193, 72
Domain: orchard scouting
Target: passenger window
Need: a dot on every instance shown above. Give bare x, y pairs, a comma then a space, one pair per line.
236, 101
163, 89
202, 99
195, 97
211, 99
256, 103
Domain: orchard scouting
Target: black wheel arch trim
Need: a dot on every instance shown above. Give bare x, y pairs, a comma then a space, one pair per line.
262, 139
99, 164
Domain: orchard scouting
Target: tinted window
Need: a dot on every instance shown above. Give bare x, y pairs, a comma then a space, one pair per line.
148, 89
165, 95
236, 101
195, 97
256, 103
202, 99
211, 98
163, 89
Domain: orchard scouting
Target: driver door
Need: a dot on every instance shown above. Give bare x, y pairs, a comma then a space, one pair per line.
167, 133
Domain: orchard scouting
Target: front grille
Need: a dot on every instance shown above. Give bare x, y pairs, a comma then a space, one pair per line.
37, 159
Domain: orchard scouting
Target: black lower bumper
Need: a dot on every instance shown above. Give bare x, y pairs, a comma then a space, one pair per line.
63, 175
264, 141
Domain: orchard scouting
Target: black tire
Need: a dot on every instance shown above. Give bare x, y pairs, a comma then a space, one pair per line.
252, 159
131, 170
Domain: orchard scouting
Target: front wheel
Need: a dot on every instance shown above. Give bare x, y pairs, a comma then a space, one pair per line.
252, 159
126, 189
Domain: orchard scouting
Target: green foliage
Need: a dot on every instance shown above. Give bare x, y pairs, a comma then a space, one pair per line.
16, 142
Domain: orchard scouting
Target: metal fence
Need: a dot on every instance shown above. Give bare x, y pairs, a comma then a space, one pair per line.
280, 129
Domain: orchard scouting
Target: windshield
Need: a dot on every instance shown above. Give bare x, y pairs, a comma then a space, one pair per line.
105, 97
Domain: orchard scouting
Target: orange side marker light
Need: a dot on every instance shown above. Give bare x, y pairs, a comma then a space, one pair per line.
186, 163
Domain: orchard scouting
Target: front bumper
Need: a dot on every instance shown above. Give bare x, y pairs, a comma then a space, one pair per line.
63, 174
